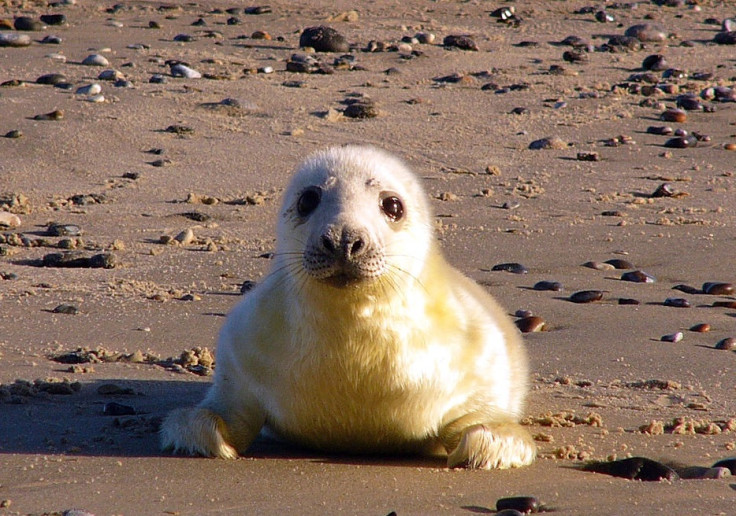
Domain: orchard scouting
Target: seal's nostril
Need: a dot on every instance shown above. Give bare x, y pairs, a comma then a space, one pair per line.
357, 247
328, 244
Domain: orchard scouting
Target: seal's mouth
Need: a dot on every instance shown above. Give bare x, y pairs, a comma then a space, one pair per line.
343, 280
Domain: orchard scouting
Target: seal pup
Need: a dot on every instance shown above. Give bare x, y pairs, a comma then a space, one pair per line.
362, 338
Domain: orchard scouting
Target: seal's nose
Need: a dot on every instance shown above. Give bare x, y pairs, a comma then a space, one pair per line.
346, 245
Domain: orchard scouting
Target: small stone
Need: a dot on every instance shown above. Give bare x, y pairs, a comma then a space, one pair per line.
599, 266
179, 129
725, 38
725, 304
513, 267
14, 40
654, 62
700, 328
425, 38
638, 277
548, 143
672, 337
66, 309
53, 19
628, 301
718, 289
184, 38
463, 42
727, 344
54, 115
90, 89
586, 296
647, 32
660, 130
77, 259
588, 156
27, 23
674, 115
10, 220
677, 302
95, 60
664, 190
51, 78
620, 264
634, 468
323, 39
727, 463
523, 504
531, 324
258, 9
182, 70
186, 237
110, 75
56, 229
363, 109
554, 286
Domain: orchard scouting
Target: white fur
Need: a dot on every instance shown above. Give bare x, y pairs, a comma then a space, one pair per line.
417, 359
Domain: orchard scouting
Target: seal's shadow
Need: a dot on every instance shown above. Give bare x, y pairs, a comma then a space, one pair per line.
80, 424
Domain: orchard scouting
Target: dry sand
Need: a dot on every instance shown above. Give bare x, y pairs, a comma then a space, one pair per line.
59, 452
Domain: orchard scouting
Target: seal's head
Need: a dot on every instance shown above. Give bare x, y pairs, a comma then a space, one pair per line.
353, 215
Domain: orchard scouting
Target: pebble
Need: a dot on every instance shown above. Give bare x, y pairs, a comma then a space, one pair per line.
599, 266
96, 98
89, 89
727, 463
681, 142
55, 229
27, 23
554, 286
664, 190
654, 62
647, 32
521, 313
634, 468
638, 277
110, 75
548, 143
513, 267
8, 219
703, 473
184, 38
727, 344
672, 337
674, 115
66, 309
700, 328
588, 156
53, 19
118, 409
77, 259
95, 60
688, 103
523, 504
54, 115
323, 39
247, 286
725, 304
664, 130
586, 296
51, 78
628, 301
14, 40
620, 264
531, 324
365, 108
182, 70
463, 42
677, 302
186, 237
725, 38
718, 289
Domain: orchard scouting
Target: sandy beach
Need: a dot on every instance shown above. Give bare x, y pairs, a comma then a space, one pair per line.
168, 188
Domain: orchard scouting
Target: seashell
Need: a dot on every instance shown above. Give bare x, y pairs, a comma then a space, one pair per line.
718, 289
14, 40
728, 344
90, 89
554, 286
95, 60
181, 70
617, 263
512, 267
677, 302
672, 337
634, 468
323, 39
700, 328
531, 324
586, 296
638, 277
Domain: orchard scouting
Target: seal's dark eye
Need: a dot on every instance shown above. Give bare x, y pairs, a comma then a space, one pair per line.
308, 201
392, 207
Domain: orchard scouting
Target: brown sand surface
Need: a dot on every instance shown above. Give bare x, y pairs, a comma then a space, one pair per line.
59, 452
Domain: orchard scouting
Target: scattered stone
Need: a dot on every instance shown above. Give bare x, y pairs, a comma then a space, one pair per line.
182, 70
672, 337
90, 89
463, 42
700, 328
586, 296
186, 237
364, 108
26, 23
727, 463
674, 115
727, 344
655, 63
718, 289
13, 133
554, 143
78, 259
95, 60
634, 468
51, 79
620, 264
9, 220
110, 75
703, 473
599, 266
588, 156
725, 38
522, 504
660, 130
54, 115
554, 286
531, 324
664, 190
323, 39
677, 302
180, 130
628, 301
647, 32
638, 277
14, 40
513, 267
66, 309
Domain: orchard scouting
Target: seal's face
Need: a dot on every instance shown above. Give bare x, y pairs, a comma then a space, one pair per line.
353, 215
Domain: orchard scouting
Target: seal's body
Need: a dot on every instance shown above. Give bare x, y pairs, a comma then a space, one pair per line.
362, 338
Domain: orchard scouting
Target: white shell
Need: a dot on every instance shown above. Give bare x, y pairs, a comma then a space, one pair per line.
180, 70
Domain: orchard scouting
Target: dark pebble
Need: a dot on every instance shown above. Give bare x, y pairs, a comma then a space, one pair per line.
628, 301
118, 409
460, 41
674, 115
725, 304
700, 328
363, 109
663, 130
727, 463
681, 142
637, 277
27, 23
588, 156
647, 32
51, 40
617, 263
654, 62
727, 344
718, 289
523, 504
54, 115
258, 9
51, 78
531, 324
184, 38
677, 302
575, 56
687, 289
196, 216
521, 313
554, 286
14, 133
66, 309
513, 267
323, 39
688, 103
624, 43
725, 38
664, 190
53, 19
179, 129
604, 17
517, 110
55, 229
634, 468
76, 259
586, 296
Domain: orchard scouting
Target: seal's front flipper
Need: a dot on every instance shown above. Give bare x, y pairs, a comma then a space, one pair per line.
197, 431
493, 445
